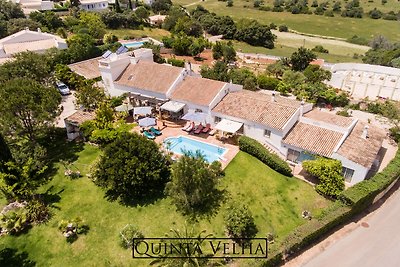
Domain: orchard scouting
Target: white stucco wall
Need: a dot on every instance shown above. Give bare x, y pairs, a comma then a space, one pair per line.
95, 6
116, 91
360, 172
255, 130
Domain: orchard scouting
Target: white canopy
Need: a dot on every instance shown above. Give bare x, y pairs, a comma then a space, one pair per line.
142, 110
172, 106
228, 126
195, 116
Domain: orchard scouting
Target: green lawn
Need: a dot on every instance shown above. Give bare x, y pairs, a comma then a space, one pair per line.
282, 50
276, 202
321, 25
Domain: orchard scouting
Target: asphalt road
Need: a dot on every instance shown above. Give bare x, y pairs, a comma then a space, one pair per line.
375, 243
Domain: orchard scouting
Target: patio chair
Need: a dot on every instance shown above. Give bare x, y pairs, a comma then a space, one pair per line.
155, 131
148, 135
213, 131
207, 128
190, 128
186, 126
199, 129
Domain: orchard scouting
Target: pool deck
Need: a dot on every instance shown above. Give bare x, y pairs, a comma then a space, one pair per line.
174, 129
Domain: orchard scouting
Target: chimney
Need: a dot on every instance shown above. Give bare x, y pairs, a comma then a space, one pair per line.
39, 30
301, 108
364, 134
273, 97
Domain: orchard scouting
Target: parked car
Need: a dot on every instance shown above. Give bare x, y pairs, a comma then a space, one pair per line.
63, 88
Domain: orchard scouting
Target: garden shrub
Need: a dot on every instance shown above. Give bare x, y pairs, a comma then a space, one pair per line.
283, 28
71, 229
267, 83
127, 234
257, 150
320, 49
14, 221
328, 171
239, 223
176, 62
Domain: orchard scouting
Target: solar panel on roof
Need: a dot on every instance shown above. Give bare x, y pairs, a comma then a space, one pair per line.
121, 50
107, 54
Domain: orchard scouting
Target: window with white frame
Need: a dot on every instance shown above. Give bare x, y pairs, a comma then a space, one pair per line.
267, 133
347, 174
217, 119
293, 155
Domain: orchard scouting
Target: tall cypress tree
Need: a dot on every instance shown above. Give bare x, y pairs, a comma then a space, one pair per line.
117, 7
5, 153
130, 4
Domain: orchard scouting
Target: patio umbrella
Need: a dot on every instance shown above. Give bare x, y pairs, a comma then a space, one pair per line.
142, 110
195, 116
146, 122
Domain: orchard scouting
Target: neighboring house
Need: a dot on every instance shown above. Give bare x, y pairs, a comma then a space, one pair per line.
291, 128
266, 118
93, 5
29, 6
366, 81
89, 69
354, 143
157, 19
27, 40
73, 122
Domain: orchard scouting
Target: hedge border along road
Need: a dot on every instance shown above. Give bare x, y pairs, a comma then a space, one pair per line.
352, 201
256, 149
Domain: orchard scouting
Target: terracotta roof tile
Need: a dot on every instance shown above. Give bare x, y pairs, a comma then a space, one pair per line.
313, 139
80, 116
149, 76
258, 107
87, 68
334, 119
197, 90
360, 150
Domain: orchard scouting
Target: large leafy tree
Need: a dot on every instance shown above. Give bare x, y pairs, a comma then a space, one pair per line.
194, 185
81, 47
29, 65
301, 59
10, 10
161, 6
329, 173
48, 18
132, 168
27, 107
93, 23
89, 96
19, 24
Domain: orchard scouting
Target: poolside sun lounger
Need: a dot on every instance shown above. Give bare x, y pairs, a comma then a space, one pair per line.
198, 129
190, 128
155, 131
148, 135
207, 128
213, 131
186, 126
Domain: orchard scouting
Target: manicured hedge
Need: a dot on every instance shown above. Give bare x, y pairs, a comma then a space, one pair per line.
352, 201
257, 150
362, 194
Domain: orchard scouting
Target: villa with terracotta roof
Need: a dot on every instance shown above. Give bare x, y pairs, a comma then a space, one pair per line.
27, 40
293, 129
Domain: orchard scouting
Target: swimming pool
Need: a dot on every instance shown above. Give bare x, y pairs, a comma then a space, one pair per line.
134, 44
181, 143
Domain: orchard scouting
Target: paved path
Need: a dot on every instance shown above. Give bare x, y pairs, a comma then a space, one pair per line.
373, 241
68, 109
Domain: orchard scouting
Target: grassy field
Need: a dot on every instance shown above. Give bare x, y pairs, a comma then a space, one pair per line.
276, 202
321, 25
282, 50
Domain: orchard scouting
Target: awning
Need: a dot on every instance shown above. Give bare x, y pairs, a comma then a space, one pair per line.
142, 110
195, 116
124, 107
172, 106
228, 126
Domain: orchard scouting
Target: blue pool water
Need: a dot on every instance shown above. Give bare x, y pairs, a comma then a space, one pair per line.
134, 44
179, 144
